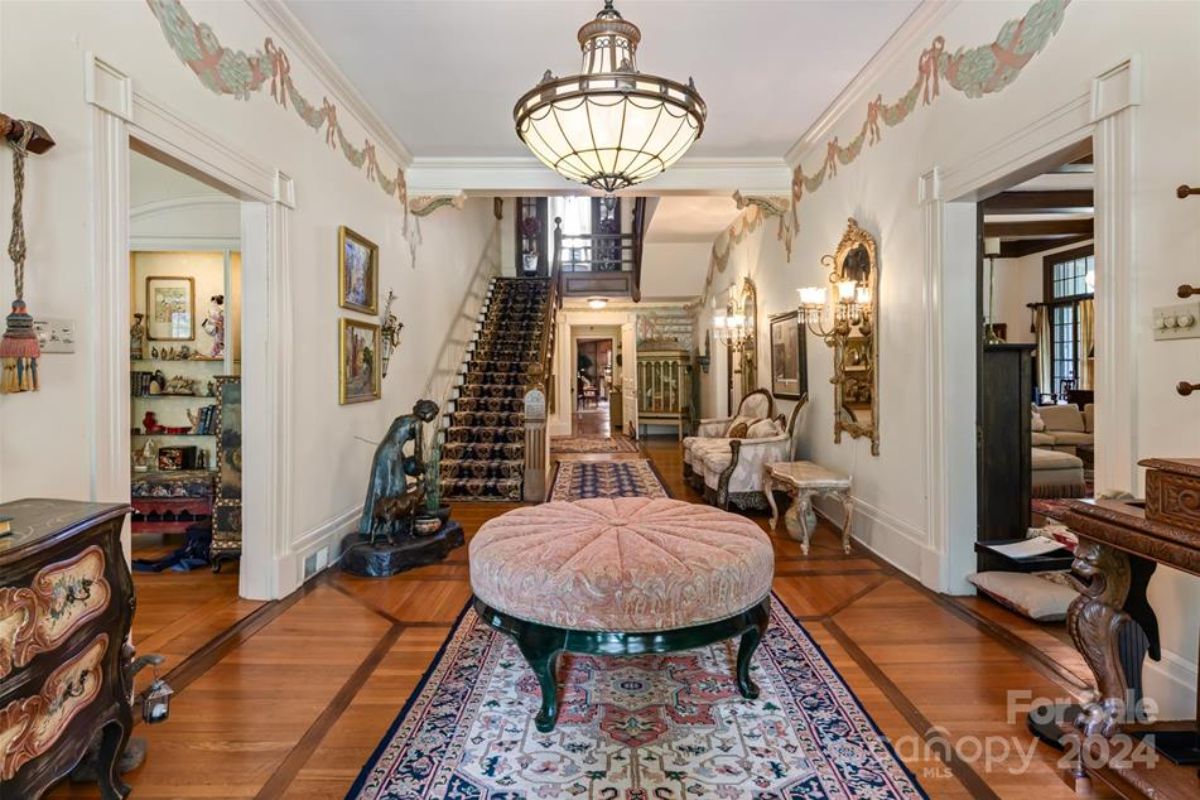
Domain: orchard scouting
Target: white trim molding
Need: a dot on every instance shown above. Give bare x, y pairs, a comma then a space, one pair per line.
1105, 115
517, 175
290, 31
121, 118
911, 37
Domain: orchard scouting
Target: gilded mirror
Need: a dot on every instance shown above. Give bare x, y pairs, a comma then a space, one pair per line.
854, 273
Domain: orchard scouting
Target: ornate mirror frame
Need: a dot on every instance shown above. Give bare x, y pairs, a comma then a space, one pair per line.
746, 301
856, 341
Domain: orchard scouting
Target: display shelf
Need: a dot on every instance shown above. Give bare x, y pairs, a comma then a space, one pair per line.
212, 397
172, 435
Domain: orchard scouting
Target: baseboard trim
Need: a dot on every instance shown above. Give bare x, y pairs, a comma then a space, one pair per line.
889, 538
1172, 684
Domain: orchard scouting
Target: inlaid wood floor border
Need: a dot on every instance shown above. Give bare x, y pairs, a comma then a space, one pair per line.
962, 770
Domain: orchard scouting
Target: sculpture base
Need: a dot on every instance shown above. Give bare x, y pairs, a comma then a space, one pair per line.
382, 559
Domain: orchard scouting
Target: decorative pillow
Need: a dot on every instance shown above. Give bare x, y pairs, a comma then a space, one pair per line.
1062, 418
1028, 595
1039, 424
747, 421
738, 430
763, 429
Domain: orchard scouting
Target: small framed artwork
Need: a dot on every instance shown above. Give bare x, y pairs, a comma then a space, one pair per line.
789, 367
358, 361
358, 272
170, 308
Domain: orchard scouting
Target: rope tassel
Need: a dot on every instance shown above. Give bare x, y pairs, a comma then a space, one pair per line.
19, 350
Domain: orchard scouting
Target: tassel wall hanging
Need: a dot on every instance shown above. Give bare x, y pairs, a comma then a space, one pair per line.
19, 349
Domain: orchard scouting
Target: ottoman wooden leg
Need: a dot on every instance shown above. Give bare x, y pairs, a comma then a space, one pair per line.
760, 615
541, 648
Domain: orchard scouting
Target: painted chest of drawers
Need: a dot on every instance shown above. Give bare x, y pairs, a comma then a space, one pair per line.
66, 606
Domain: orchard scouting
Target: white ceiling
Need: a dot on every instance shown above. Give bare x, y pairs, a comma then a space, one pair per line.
683, 218
444, 74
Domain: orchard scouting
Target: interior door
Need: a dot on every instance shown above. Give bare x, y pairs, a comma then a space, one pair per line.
629, 396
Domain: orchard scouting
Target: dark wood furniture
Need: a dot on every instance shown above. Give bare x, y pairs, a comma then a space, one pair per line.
1120, 542
66, 606
1005, 457
542, 644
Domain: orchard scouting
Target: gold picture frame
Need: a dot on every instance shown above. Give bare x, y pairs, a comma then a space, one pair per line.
358, 362
170, 308
358, 272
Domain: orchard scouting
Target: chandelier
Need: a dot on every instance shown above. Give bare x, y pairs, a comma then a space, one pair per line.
609, 126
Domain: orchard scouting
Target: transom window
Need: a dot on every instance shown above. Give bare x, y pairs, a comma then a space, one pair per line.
1073, 277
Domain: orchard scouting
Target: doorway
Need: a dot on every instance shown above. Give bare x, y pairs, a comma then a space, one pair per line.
595, 361
184, 406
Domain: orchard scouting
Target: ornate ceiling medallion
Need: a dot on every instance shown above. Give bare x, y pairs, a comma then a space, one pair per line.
610, 126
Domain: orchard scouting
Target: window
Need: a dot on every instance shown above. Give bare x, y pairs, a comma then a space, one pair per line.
1064, 336
1069, 277
1073, 277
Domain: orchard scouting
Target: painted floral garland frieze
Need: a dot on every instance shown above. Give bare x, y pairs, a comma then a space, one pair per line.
976, 72
240, 74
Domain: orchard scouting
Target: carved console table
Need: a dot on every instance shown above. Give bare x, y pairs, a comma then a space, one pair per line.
1120, 543
66, 606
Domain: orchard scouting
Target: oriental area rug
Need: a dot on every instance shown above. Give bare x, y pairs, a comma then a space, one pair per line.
631, 477
635, 728
592, 444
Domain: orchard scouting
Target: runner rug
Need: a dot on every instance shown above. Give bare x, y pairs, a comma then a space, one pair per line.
592, 444
630, 477
635, 728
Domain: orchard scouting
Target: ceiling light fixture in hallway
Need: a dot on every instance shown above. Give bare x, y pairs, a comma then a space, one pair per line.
610, 126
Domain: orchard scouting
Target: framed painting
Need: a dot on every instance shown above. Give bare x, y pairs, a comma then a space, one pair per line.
170, 308
358, 272
789, 367
358, 361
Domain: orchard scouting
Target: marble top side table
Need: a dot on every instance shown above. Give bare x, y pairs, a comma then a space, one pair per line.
802, 481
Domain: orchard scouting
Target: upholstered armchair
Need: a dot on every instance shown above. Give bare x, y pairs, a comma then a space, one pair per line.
759, 404
732, 469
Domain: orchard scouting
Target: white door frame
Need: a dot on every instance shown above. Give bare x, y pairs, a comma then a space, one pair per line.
120, 115
948, 195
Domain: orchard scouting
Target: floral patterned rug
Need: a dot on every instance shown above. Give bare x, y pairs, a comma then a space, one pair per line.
635, 728
592, 444
632, 477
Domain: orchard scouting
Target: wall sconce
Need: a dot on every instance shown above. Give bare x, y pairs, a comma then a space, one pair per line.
705, 358
851, 309
389, 334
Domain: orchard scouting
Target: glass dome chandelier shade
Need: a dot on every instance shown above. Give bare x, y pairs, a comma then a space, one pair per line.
610, 126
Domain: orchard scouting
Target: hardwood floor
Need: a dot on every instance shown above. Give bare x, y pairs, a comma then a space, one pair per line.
178, 613
294, 706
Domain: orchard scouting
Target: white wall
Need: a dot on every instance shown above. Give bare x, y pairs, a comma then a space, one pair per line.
44, 436
880, 190
674, 269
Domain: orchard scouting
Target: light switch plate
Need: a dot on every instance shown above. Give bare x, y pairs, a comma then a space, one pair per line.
55, 335
1177, 322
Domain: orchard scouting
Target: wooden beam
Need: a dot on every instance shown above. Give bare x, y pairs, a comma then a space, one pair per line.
1054, 227
1027, 247
1044, 202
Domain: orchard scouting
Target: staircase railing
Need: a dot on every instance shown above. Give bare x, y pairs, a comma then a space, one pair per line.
539, 389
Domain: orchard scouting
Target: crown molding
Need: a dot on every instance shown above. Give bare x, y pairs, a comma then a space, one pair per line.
291, 32
525, 175
907, 40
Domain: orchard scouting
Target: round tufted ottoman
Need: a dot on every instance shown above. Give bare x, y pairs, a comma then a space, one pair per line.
621, 576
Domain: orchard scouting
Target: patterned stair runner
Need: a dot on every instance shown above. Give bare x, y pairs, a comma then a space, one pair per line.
483, 457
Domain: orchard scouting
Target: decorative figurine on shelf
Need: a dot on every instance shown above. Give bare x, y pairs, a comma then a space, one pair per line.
389, 334
180, 385
137, 337
386, 542
214, 325
150, 423
145, 458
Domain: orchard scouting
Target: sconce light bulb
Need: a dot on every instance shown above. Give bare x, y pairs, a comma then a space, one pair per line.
846, 290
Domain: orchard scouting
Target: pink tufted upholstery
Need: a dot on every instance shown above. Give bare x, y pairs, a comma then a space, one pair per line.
631, 564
